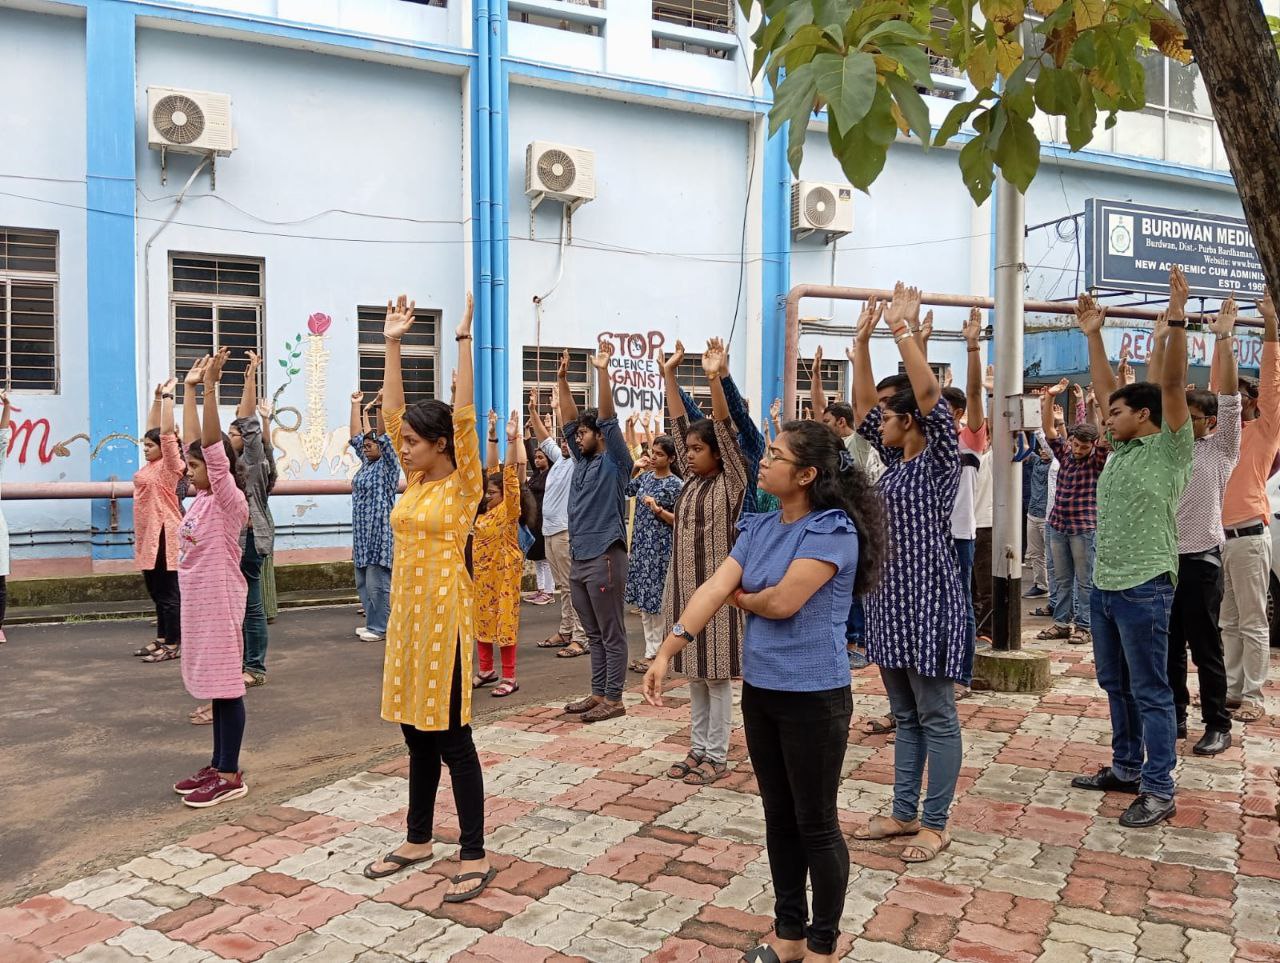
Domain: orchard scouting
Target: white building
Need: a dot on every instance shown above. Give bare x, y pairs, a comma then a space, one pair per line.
380, 147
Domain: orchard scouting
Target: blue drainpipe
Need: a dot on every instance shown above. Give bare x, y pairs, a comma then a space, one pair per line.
499, 159
776, 275
483, 201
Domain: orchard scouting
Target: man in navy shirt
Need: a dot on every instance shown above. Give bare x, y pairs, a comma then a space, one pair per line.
602, 468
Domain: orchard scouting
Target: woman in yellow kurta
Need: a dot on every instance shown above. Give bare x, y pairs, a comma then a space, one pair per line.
498, 561
430, 632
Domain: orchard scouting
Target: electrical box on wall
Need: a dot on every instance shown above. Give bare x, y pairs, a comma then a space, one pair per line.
818, 207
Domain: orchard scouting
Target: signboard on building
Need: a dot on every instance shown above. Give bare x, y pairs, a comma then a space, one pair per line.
635, 371
1131, 247
1136, 343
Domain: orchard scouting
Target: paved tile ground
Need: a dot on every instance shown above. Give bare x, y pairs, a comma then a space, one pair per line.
604, 859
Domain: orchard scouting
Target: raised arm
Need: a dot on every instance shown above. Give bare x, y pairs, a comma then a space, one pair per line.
817, 396
357, 421
864, 380
153, 416
190, 406
629, 433
924, 383
564, 396
535, 418
775, 416
714, 367
1089, 318
1155, 361
166, 409
464, 377
923, 330
672, 387
972, 331
399, 320
516, 453
1047, 418
491, 460
604, 390
211, 425
249, 395
1173, 379
1269, 371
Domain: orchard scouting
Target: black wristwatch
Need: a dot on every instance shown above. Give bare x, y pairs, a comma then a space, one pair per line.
168, 395
680, 631
1176, 322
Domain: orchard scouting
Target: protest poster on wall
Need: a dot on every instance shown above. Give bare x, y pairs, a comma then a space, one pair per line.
635, 371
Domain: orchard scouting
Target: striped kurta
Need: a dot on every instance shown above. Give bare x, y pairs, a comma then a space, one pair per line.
703, 534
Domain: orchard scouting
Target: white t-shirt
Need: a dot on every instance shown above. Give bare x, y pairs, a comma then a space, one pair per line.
964, 524
864, 456
984, 492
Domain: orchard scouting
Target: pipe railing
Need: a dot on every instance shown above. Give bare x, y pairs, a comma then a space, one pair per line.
111, 490
791, 347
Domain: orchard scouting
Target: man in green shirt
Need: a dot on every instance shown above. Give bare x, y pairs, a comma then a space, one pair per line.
1149, 429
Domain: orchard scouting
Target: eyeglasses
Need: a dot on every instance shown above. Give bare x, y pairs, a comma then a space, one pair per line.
774, 455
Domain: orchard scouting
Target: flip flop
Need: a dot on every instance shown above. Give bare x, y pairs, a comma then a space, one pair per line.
886, 827
571, 653
639, 667
401, 862
877, 727
505, 688
553, 642
201, 716
764, 953
482, 679
485, 880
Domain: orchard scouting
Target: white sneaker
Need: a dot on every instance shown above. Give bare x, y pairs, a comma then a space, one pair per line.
367, 636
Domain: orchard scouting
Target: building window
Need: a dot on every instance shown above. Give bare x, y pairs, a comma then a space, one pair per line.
691, 377
540, 368
833, 380
215, 302
419, 352
574, 20
714, 15
29, 308
429, 3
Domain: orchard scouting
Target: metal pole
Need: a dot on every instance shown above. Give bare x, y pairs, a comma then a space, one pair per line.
1006, 529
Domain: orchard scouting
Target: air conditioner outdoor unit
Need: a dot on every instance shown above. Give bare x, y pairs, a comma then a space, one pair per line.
560, 172
189, 121
816, 206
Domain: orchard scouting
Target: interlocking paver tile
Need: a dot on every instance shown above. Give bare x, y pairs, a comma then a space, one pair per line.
601, 857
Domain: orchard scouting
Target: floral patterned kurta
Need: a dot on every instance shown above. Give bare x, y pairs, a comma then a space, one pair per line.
499, 564
650, 541
431, 610
156, 508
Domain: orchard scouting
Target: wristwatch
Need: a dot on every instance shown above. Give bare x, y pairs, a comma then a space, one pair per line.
1177, 322
679, 630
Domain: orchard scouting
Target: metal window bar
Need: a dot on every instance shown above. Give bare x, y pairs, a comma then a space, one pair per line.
29, 309
715, 15
216, 301
419, 353
566, 24
28, 251
833, 375
539, 368
691, 377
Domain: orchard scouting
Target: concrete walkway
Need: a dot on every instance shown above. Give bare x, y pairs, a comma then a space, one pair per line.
602, 858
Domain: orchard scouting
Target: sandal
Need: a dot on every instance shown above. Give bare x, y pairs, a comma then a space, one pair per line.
1249, 712
1055, 633
571, 651
930, 850
1042, 611
400, 862
582, 705
556, 641
886, 827
202, 715
706, 773
639, 666
165, 653
764, 953
151, 648
485, 880
252, 679
482, 679
679, 770
505, 688
879, 726
603, 712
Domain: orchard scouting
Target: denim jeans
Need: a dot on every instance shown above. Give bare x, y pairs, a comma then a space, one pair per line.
1071, 560
1131, 657
797, 742
255, 616
924, 707
373, 585
855, 627
965, 548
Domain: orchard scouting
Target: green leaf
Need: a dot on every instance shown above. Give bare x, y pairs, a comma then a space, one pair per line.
1020, 99
1083, 118
847, 83
832, 12
802, 46
765, 39
793, 98
880, 125
293, 371
976, 169
1018, 153
796, 133
893, 31
283, 363
955, 120
914, 60
912, 106
860, 158
1057, 91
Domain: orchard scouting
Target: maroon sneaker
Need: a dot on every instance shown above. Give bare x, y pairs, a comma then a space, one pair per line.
217, 790
192, 783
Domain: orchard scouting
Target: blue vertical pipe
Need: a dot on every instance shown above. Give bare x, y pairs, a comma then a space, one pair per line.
110, 249
776, 273
500, 189
482, 230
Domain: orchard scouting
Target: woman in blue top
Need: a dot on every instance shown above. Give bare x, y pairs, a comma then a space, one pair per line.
793, 571
916, 619
373, 494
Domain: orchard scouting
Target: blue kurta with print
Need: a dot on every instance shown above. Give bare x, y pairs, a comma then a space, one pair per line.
650, 541
916, 614
373, 494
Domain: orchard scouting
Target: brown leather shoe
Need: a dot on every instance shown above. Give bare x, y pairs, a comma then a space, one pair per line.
583, 705
604, 710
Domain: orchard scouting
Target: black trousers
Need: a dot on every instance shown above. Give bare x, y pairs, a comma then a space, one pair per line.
454, 748
228, 733
797, 742
982, 605
1193, 621
162, 586
4, 598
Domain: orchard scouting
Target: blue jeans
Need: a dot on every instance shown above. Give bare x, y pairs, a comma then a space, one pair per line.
373, 585
255, 615
855, 627
965, 548
924, 707
1071, 564
1131, 657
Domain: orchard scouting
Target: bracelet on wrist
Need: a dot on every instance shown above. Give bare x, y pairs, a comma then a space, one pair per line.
388, 338
462, 337
1225, 337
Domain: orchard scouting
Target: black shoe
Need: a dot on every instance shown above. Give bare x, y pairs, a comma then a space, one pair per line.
1147, 810
1212, 743
1182, 730
1104, 780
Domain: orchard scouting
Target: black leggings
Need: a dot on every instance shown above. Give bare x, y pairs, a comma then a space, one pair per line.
455, 748
162, 585
4, 598
797, 742
228, 731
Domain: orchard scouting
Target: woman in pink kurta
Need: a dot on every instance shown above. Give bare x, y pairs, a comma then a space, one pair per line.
156, 517
214, 590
